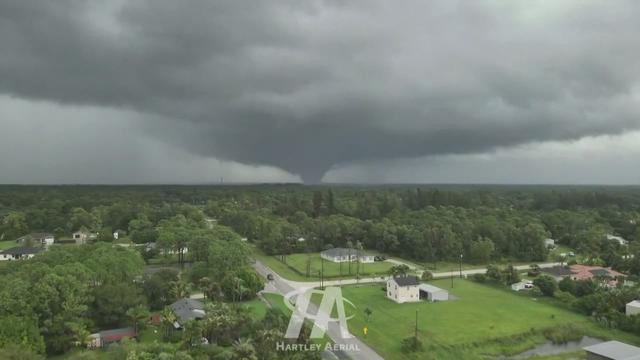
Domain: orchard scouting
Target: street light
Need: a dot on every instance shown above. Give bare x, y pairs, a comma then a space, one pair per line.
460, 265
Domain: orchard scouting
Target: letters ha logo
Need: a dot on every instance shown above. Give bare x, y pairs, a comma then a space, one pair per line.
299, 300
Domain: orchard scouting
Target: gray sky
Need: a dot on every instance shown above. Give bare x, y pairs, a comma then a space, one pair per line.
345, 91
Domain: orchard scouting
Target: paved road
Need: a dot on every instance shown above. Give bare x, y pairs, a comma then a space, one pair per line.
438, 275
284, 286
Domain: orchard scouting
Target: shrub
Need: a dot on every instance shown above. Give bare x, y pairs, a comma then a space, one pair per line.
479, 278
546, 284
563, 334
427, 276
565, 297
411, 344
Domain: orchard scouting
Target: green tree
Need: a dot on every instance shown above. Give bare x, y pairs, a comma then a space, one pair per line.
243, 350
138, 315
546, 284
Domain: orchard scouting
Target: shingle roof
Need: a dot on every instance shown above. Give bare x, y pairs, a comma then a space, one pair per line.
117, 334
36, 236
557, 271
615, 350
21, 250
599, 272
188, 309
406, 280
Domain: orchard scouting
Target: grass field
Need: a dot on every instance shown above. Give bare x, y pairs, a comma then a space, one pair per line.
7, 244
483, 321
295, 267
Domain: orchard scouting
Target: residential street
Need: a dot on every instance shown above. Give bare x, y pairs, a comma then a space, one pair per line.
283, 286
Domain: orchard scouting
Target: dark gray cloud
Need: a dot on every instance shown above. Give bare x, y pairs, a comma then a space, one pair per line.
307, 86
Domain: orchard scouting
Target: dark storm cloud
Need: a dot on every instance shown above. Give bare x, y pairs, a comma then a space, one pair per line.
309, 85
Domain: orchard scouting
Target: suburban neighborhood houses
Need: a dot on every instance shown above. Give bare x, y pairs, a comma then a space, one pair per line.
585, 272
178, 283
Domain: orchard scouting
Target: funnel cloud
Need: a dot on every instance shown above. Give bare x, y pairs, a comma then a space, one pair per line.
311, 86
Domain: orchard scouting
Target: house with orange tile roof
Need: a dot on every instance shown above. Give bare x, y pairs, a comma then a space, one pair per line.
596, 273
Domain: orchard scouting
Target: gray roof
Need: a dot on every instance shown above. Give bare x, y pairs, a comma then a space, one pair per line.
557, 271
187, 309
406, 280
431, 289
615, 350
342, 252
35, 236
21, 250
600, 272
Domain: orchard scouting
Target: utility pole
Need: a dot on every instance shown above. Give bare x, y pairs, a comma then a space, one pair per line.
322, 273
460, 265
416, 332
452, 280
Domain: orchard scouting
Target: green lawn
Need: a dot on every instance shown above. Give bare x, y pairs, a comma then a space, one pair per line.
484, 321
295, 267
7, 244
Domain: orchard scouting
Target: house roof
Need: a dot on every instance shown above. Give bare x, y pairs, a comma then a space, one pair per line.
584, 272
117, 334
188, 309
406, 280
342, 252
615, 350
35, 236
21, 250
557, 271
430, 288
634, 303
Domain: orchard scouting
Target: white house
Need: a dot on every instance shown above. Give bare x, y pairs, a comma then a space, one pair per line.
81, 237
433, 293
339, 255
45, 239
617, 239
633, 308
19, 253
403, 289
549, 242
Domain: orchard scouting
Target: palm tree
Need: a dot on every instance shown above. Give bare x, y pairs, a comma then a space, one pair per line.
192, 334
360, 252
80, 335
138, 315
180, 289
168, 318
367, 313
211, 289
243, 350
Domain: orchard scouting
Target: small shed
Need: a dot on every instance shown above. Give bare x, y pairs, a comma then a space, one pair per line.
612, 350
633, 308
433, 293
107, 337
